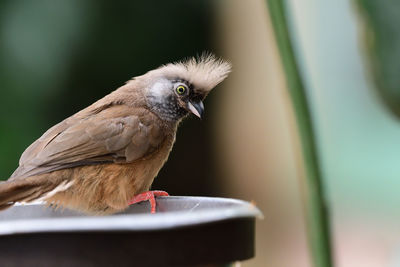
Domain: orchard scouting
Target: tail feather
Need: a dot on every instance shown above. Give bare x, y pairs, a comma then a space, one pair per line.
5, 206
23, 190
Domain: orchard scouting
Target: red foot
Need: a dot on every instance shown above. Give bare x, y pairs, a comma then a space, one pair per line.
149, 195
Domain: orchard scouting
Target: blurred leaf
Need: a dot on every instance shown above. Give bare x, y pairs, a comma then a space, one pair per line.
382, 38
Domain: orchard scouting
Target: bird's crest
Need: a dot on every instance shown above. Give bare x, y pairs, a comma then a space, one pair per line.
204, 72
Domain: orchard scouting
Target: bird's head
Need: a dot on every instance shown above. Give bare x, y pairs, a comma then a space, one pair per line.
176, 89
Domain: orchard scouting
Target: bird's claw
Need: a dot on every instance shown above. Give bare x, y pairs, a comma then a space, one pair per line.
149, 195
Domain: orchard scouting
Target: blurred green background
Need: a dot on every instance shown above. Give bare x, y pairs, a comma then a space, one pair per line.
57, 57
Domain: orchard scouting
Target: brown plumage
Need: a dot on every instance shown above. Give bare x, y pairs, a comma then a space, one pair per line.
98, 159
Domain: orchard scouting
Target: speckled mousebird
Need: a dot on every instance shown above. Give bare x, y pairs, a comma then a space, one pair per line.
106, 156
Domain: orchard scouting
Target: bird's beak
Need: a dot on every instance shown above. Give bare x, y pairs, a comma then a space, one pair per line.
197, 108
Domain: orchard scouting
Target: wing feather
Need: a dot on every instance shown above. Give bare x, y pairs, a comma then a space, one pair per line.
112, 135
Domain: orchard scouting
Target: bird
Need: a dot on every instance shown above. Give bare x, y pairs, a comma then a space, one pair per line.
106, 156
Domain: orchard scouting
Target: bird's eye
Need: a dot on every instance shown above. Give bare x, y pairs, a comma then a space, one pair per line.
180, 89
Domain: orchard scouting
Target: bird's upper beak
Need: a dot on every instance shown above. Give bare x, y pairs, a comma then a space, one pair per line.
196, 107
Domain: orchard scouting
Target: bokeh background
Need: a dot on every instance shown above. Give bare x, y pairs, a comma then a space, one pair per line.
57, 57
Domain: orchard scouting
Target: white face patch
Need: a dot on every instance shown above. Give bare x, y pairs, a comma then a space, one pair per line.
159, 90
162, 99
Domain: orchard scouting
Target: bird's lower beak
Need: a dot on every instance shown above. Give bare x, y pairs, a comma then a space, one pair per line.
197, 108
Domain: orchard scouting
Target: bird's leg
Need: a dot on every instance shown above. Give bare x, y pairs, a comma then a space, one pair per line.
149, 195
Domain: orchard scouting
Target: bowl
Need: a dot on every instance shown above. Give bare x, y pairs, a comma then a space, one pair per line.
185, 231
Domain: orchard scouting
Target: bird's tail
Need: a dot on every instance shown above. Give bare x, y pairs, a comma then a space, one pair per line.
23, 190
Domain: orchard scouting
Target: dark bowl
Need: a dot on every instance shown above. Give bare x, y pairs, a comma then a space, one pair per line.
185, 231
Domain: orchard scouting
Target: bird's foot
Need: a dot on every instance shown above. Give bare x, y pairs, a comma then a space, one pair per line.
149, 195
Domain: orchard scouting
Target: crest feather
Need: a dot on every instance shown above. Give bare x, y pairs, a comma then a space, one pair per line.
204, 71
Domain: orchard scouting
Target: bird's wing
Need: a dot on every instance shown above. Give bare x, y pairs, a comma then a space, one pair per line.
112, 135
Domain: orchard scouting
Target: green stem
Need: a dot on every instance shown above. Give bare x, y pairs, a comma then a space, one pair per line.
314, 200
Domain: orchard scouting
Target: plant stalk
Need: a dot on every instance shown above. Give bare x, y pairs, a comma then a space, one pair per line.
317, 215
